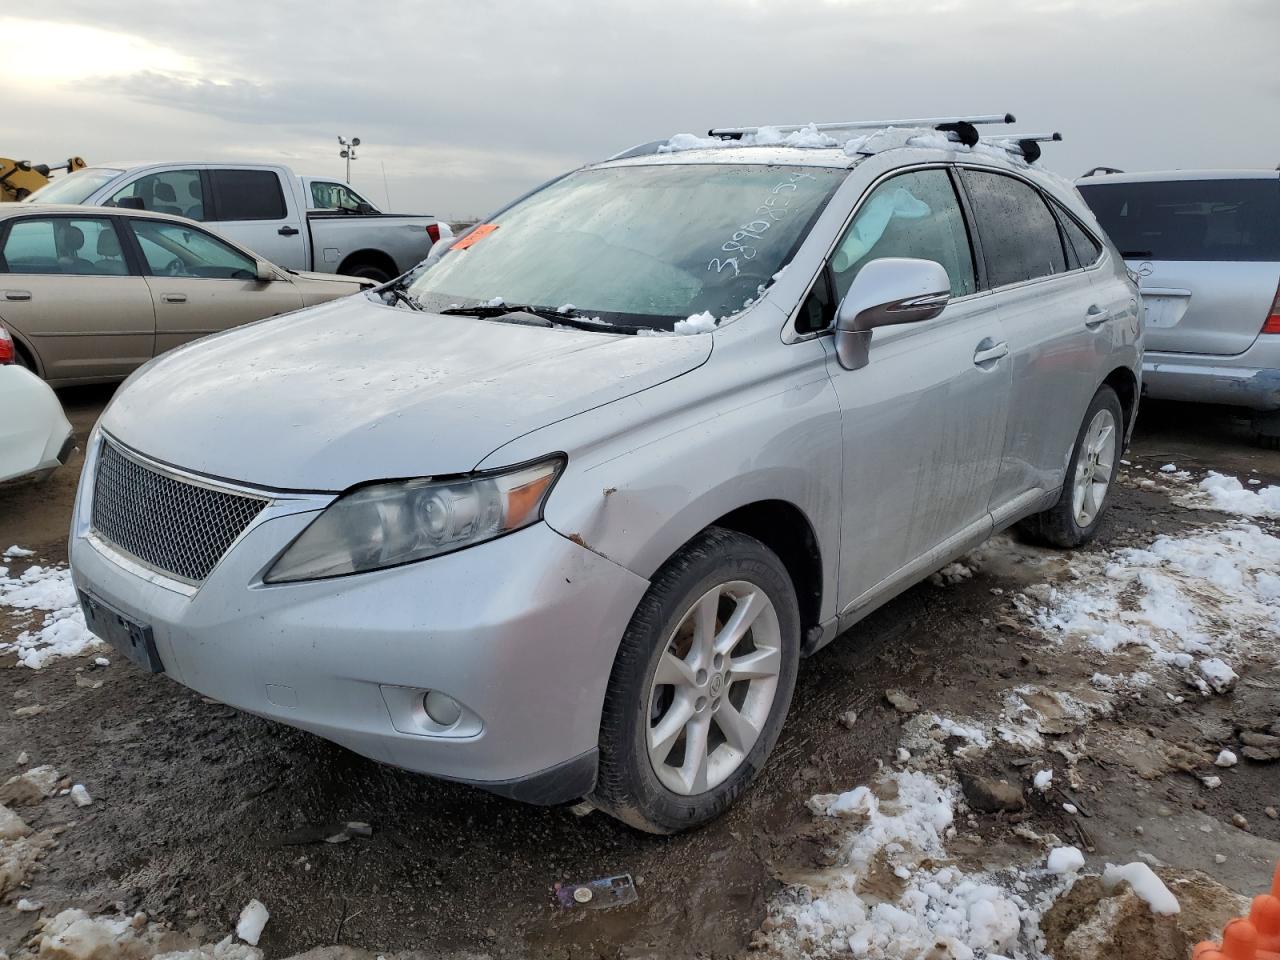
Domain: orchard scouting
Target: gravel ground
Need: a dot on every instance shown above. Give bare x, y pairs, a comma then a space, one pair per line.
198, 808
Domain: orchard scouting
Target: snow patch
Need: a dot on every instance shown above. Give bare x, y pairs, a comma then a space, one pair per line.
1227, 494
253, 918
697, 323
62, 632
1148, 887
1065, 861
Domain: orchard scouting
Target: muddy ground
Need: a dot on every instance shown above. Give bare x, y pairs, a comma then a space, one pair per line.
196, 804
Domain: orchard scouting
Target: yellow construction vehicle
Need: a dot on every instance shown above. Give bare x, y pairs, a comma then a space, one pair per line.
21, 178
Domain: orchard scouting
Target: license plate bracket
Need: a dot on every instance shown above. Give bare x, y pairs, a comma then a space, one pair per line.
135, 640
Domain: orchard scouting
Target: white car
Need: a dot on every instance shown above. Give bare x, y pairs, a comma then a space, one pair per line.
35, 437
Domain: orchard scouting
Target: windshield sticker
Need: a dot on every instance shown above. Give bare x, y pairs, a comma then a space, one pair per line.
773, 209
478, 232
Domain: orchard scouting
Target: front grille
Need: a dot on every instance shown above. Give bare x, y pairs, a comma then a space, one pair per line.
175, 526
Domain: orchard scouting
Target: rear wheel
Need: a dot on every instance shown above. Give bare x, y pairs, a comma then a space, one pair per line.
1266, 430
701, 685
1075, 518
368, 271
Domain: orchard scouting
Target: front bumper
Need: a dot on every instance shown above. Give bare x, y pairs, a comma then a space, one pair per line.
522, 631
1250, 379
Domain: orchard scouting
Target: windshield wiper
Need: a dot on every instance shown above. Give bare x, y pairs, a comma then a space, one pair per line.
568, 318
404, 298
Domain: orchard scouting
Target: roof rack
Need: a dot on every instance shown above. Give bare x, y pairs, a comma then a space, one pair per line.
1100, 170
1028, 143
962, 126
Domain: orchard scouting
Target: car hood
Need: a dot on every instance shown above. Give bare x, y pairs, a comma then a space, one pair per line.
355, 391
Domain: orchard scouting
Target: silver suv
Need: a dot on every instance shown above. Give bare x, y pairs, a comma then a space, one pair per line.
559, 514
1205, 245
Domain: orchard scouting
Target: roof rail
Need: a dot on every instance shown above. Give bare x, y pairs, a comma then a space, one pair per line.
1099, 170
1028, 143
963, 126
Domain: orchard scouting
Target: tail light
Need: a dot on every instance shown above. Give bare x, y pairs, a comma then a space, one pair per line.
1272, 324
433, 231
6, 347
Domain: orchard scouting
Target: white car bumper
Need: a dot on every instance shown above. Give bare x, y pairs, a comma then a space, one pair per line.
35, 436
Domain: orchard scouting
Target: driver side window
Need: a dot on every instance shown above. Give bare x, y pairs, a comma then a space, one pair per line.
914, 214
175, 250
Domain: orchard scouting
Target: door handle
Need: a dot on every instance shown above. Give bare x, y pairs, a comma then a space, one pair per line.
173, 297
17, 294
988, 351
288, 231
1096, 316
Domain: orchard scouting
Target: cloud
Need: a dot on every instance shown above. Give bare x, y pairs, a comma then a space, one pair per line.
468, 102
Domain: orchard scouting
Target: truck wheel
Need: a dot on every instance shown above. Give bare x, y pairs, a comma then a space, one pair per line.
701, 685
1075, 518
369, 272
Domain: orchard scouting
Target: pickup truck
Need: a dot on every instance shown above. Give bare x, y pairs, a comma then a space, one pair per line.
299, 223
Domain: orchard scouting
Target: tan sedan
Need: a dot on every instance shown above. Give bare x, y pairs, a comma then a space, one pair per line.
91, 293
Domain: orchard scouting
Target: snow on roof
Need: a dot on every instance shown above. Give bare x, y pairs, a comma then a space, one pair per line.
809, 146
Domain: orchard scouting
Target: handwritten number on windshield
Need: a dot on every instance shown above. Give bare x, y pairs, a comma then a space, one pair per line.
774, 208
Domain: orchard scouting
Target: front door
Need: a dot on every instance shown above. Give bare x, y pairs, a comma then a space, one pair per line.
923, 422
200, 285
66, 289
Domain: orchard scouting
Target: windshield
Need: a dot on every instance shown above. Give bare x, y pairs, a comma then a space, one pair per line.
643, 245
74, 187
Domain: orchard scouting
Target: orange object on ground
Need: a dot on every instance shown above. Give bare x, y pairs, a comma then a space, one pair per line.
1257, 938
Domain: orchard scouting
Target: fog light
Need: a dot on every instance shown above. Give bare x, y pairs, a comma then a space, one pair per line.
441, 708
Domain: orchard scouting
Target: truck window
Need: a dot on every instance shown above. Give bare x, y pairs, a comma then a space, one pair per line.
247, 195
326, 195
171, 191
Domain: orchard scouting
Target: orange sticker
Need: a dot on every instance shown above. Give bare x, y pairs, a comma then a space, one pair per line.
478, 232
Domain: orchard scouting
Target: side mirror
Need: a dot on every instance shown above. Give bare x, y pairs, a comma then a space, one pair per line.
364, 208
265, 271
887, 292
128, 203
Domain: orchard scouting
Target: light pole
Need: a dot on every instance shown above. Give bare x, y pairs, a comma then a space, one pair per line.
349, 152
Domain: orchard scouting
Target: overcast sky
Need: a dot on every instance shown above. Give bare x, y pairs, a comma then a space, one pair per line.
466, 103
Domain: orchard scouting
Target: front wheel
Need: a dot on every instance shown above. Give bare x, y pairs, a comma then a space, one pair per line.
368, 271
701, 685
1075, 518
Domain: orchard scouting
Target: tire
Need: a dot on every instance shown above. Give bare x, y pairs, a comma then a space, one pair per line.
630, 785
368, 271
1266, 430
1062, 525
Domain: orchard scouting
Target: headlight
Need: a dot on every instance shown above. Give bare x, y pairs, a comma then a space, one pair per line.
387, 524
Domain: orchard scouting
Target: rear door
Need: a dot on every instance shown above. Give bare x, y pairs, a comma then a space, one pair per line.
68, 290
250, 205
1057, 326
199, 284
1207, 255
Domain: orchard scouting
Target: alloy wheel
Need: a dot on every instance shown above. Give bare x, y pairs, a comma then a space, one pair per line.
714, 687
1094, 468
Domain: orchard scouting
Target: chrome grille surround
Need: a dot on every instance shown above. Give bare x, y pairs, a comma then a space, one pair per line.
175, 524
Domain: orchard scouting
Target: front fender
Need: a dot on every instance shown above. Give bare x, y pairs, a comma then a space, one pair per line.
664, 464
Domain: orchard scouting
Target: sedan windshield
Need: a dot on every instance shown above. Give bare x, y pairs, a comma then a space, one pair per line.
74, 187
641, 245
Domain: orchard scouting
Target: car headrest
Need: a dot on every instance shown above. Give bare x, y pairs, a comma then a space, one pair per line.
108, 244
164, 191
71, 238
193, 190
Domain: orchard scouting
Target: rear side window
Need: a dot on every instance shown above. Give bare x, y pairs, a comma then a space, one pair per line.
78, 245
1085, 247
1190, 219
1020, 239
247, 194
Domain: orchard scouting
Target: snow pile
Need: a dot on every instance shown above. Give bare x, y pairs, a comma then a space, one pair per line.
74, 935
62, 632
1148, 887
1065, 861
901, 826
808, 137
253, 918
1221, 492
1173, 598
702, 322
